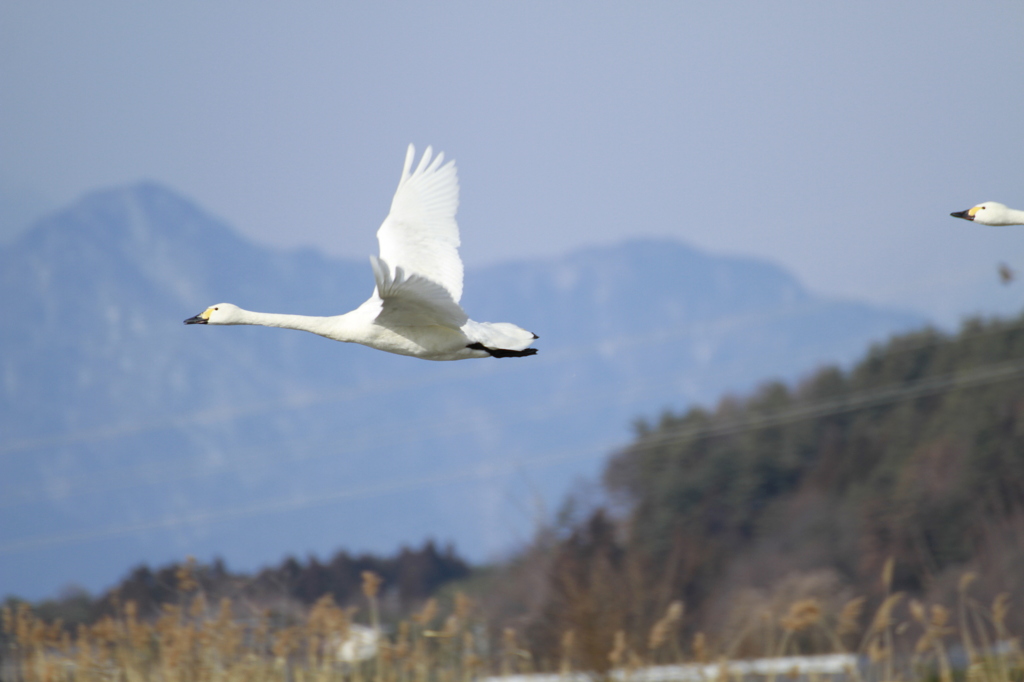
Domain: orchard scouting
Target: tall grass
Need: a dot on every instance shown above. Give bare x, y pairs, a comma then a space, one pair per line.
194, 641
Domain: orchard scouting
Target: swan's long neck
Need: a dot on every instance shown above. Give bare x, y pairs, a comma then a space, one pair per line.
1014, 217
336, 327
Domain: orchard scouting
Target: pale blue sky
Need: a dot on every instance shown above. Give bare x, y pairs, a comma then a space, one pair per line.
833, 138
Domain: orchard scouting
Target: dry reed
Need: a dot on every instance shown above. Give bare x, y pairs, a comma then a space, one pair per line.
194, 641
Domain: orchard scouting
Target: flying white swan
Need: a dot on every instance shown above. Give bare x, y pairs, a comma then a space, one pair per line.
414, 309
992, 213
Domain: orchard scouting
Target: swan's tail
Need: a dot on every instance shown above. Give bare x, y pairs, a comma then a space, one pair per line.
500, 339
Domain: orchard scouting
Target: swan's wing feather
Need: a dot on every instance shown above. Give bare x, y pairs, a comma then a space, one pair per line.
499, 335
420, 234
412, 300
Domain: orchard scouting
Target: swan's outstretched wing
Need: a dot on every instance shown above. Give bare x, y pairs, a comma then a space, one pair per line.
413, 300
420, 236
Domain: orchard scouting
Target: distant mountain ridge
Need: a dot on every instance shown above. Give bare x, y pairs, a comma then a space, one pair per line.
125, 436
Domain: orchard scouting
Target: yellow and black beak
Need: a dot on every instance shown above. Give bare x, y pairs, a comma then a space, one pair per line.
966, 215
201, 318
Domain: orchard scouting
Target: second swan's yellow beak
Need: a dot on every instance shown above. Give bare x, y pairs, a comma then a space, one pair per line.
201, 318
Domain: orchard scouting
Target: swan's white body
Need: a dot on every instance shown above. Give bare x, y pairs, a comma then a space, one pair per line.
992, 213
414, 309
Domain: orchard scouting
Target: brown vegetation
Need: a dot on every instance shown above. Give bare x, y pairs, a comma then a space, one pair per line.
196, 641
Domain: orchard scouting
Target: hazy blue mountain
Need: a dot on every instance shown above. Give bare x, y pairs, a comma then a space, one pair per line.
126, 436
19, 208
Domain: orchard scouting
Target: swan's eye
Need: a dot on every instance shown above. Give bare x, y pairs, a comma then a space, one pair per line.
216, 308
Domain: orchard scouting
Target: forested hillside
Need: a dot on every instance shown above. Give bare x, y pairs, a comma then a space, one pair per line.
916, 453
411, 576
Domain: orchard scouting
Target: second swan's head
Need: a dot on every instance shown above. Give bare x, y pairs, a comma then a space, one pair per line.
222, 313
988, 213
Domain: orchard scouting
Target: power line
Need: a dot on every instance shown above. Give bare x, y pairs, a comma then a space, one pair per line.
250, 459
482, 472
979, 376
215, 415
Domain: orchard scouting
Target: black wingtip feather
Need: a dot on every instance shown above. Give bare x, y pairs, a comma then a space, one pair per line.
502, 352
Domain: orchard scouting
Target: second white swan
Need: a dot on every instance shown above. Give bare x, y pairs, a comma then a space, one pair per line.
414, 309
992, 213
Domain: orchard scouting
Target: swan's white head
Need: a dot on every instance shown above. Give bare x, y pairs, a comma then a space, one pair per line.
989, 213
222, 313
